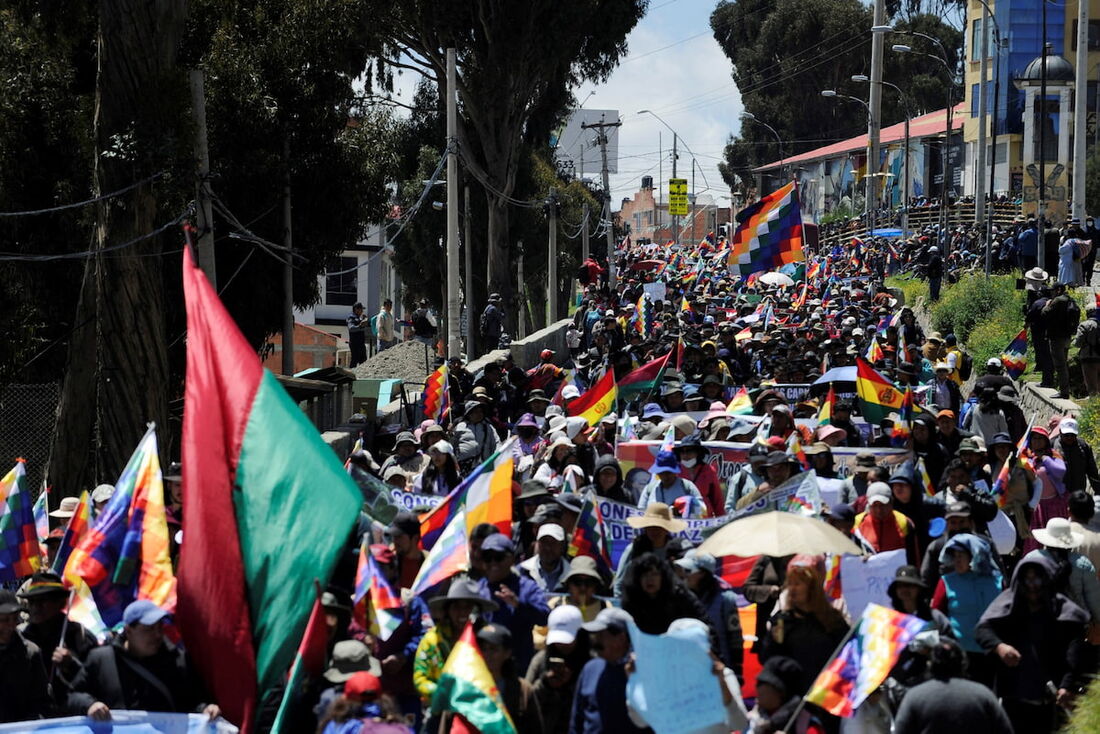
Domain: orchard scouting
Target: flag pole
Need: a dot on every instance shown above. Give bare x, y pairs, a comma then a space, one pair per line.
64, 629
793, 721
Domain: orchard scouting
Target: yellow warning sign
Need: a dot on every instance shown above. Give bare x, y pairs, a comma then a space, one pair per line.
677, 197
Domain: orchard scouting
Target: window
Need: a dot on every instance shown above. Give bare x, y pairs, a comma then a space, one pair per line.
976, 41
342, 289
1094, 35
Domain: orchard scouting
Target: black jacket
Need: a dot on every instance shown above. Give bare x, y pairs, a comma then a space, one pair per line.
162, 682
1081, 470
24, 693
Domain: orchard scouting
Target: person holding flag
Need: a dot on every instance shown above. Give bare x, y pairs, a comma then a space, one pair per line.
64, 642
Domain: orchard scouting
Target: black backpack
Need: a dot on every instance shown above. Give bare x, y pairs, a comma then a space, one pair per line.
582, 274
966, 367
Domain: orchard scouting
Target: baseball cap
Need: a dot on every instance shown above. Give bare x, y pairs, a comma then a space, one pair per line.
564, 623
552, 530
611, 618
143, 611
878, 493
362, 683
495, 634
499, 543
1068, 425
570, 391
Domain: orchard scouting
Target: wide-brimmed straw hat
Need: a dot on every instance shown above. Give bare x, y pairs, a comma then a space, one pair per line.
657, 515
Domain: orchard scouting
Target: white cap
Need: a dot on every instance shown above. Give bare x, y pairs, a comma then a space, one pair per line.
1068, 425
553, 530
564, 623
443, 447
574, 425
879, 493
569, 392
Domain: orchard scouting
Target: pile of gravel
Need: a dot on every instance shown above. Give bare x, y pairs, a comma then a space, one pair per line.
403, 361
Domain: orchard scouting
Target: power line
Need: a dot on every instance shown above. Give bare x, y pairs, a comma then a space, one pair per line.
10, 257
86, 202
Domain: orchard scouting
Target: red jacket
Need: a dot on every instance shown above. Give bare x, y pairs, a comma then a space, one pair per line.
706, 479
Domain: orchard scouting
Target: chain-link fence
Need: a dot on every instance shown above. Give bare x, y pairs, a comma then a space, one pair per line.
27, 414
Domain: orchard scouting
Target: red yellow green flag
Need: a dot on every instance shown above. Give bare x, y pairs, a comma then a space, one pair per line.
878, 397
467, 688
597, 401
825, 413
740, 404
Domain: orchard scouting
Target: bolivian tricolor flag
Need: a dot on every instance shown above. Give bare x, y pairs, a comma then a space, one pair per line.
878, 397
825, 413
597, 401
740, 404
466, 688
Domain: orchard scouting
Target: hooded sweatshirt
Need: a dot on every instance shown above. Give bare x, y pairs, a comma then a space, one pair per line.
964, 596
617, 492
1051, 641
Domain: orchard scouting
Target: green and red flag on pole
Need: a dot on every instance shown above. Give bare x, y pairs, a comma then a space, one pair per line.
269, 509
644, 379
309, 663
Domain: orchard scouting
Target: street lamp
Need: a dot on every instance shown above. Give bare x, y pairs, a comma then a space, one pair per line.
946, 164
753, 118
863, 78
870, 193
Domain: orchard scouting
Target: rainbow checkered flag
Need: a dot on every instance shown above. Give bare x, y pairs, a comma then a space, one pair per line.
1014, 357
19, 552
769, 234
590, 535
877, 638
375, 603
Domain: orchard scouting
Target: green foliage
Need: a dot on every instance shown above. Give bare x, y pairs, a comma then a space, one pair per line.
1086, 714
976, 299
841, 213
824, 42
1089, 423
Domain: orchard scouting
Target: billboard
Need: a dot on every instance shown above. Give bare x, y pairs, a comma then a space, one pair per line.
576, 145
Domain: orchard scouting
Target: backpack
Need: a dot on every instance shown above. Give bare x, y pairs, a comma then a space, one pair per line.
421, 325
966, 365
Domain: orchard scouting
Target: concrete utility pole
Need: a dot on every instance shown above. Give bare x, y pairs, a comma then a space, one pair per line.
205, 245
552, 264
601, 138
874, 103
1080, 104
454, 334
468, 287
983, 69
675, 220
584, 233
288, 266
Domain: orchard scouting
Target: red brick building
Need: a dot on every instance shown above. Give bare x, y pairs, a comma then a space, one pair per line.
312, 348
649, 220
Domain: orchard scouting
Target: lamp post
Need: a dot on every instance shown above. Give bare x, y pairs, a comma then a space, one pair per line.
870, 193
946, 165
753, 118
905, 171
676, 137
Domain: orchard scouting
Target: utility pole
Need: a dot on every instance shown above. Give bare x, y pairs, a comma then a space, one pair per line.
468, 287
601, 138
675, 220
552, 264
693, 238
874, 102
454, 340
979, 185
993, 147
584, 232
288, 265
1041, 203
1080, 97
205, 244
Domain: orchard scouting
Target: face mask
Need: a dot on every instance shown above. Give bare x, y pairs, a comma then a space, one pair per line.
689, 463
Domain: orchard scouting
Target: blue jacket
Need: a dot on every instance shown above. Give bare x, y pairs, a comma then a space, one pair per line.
1027, 242
599, 702
532, 610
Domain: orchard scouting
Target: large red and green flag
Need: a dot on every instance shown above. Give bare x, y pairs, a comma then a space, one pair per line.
769, 234
309, 664
597, 401
878, 397
269, 509
19, 552
124, 555
644, 379
466, 688
878, 637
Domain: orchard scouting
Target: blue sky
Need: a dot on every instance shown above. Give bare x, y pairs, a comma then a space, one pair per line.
675, 68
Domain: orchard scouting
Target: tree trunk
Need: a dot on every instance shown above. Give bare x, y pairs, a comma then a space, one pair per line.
117, 379
500, 260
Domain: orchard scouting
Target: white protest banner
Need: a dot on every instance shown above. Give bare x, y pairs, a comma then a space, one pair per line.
673, 686
799, 494
864, 579
619, 532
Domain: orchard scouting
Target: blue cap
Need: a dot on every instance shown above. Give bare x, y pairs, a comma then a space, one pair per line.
666, 461
143, 611
498, 542
651, 410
